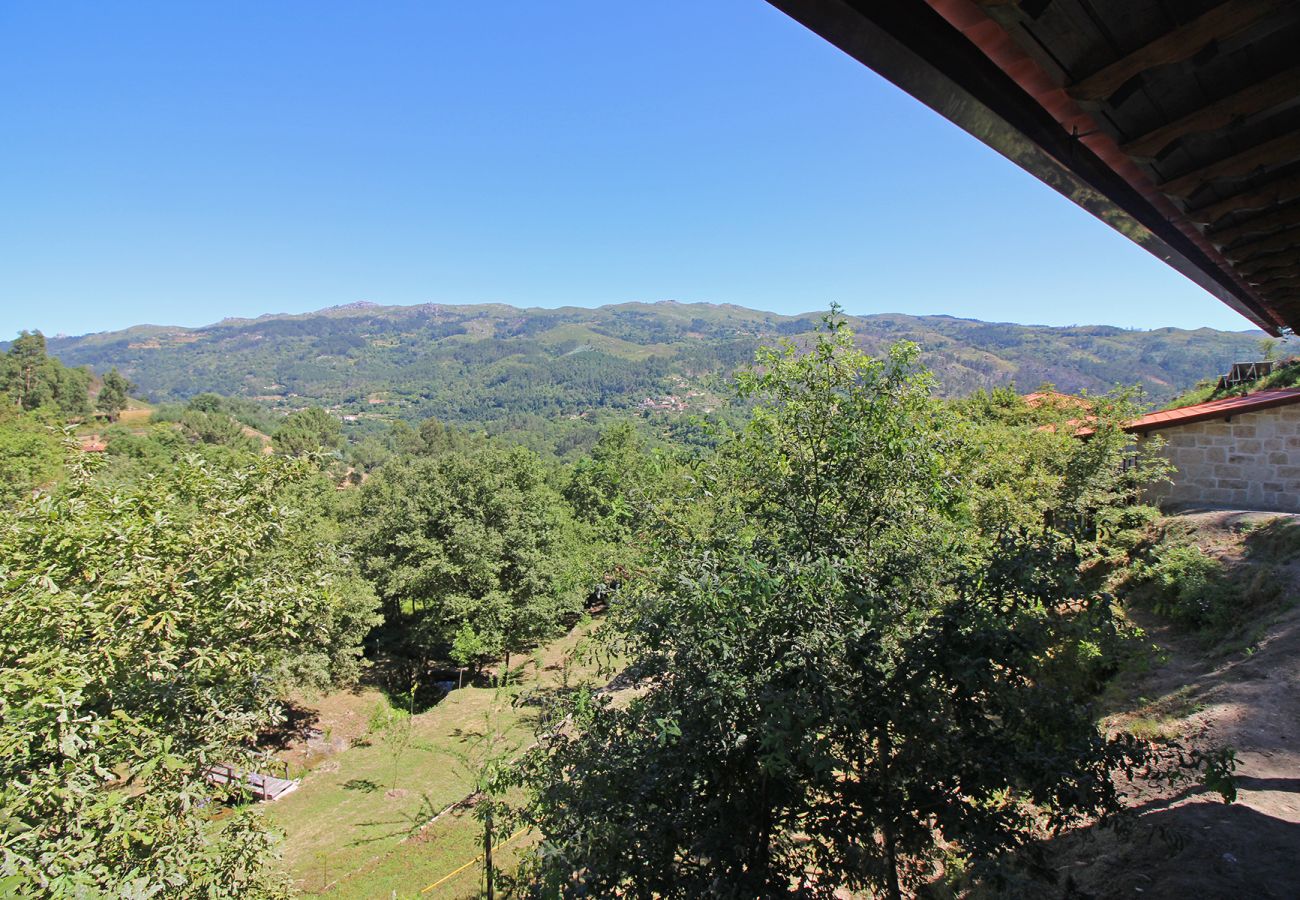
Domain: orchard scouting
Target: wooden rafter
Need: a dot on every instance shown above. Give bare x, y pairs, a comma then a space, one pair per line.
1281, 278
1268, 94
1261, 265
1282, 217
1283, 190
1274, 243
1270, 153
1286, 301
1175, 46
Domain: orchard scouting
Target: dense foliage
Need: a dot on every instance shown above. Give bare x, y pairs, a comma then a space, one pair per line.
31, 379
39, 395
308, 431
30, 451
856, 652
113, 394
472, 552
547, 378
865, 625
146, 632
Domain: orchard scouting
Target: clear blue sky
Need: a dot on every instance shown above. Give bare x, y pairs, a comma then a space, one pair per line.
176, 163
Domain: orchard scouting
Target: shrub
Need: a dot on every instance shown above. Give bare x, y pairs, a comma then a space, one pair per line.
1182, 582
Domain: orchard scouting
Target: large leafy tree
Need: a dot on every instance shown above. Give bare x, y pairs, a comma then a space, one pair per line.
215, 428
609, 486
113, 392
146, 631
612, 492
474, 550
842, 672
30, 452
33, 379
308, 431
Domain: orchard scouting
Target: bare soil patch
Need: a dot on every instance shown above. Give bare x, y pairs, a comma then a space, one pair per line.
1187, 842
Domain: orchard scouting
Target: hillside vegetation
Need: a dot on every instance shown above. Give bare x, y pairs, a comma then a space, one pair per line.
857, 640
1285, 374
501, 367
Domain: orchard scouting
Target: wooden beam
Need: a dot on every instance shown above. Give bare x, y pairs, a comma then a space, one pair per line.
1282, 217
1272, 92
1283, 190
1283, 278
1261, 265
1270, 153
1284, 299
1274, 243
1182, 43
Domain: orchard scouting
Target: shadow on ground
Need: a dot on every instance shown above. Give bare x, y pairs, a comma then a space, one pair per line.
1201, 849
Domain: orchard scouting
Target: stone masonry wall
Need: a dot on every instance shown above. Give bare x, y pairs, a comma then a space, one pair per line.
1250, 462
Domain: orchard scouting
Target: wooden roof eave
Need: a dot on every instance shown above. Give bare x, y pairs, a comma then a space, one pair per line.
953, 58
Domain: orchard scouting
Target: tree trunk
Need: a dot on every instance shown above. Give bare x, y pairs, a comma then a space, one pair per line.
886, 748
891, 873
487, 852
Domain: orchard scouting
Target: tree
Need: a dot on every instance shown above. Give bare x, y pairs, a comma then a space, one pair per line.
27, 369
486, 761
469, 649
468, 540
605, 486
112, 394
34, 379
72, 391
146, 632
215, 428
840, 674
30, 453
392, 725
306, 431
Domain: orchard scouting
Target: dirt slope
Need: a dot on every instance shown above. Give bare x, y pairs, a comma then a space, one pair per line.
1187, 843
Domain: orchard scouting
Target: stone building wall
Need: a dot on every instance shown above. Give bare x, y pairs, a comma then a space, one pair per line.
1251, 461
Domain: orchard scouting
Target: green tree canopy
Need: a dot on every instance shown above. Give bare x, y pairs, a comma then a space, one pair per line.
477, 542
33, 379
113, 394
146, 631
215, 428
606, 486
30, 452
840, 674
306, 431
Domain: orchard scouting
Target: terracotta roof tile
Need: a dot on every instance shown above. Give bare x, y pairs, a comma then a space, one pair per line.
1214, 409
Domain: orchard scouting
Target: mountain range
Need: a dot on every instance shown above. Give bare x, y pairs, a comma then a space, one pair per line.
492, 363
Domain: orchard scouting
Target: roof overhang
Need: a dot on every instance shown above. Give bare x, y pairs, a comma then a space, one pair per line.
1224, 408
1041, 93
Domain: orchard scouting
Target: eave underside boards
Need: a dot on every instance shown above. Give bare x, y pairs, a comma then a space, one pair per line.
1204, 97
1176, 123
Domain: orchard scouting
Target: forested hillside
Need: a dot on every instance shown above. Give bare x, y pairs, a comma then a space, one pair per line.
788, 641
500, 366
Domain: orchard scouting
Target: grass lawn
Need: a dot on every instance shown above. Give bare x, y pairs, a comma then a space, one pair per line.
355, 827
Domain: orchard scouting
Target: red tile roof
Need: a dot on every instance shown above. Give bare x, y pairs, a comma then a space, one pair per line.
1214, 409
1055, 398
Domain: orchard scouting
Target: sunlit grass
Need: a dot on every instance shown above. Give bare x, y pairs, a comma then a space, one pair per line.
355, 827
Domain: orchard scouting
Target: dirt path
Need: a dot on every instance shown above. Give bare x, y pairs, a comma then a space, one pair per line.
1188, 843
